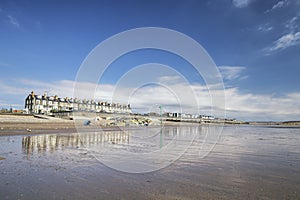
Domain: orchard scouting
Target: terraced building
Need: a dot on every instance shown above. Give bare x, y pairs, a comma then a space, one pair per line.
43, 104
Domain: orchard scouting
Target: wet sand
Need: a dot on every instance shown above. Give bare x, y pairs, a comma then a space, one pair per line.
248, 162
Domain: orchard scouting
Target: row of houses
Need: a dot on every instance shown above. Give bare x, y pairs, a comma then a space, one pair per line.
182, 115
43, 104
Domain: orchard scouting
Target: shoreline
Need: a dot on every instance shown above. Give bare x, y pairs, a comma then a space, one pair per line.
29, 124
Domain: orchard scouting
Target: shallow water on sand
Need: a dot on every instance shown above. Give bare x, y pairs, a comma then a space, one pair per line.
187, 162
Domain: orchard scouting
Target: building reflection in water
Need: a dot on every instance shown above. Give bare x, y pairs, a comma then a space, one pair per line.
51, 142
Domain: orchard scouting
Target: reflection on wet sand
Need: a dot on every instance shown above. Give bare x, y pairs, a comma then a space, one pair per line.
50, 143
136, 150
53, 142
248, 162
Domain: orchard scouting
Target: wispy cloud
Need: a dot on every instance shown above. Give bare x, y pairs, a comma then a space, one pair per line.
289, 28
169, 79
285, 41
11, 90
63, 88
6, 65
232, 72
278, 5
293, 23
241, 3
12, 20
265, 28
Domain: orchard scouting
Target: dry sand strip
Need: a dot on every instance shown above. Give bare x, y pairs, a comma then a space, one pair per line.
49, 128
19, 128
29, 124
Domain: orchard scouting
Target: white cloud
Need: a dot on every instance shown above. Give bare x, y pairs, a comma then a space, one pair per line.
241, 3
284, 42
232, 72
12, 20
262, 107
176, 97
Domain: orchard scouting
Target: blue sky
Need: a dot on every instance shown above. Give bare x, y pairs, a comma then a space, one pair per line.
254, 43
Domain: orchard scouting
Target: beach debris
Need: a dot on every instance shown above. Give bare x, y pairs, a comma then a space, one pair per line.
28, 130
141, 121
87, 122
2, 158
